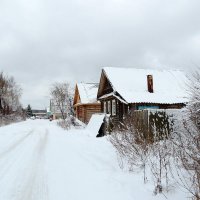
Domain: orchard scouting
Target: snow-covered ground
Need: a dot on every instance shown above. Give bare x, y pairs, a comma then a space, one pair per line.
40, 161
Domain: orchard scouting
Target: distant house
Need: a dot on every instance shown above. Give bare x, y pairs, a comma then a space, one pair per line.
123, 90
40, 113
85, 101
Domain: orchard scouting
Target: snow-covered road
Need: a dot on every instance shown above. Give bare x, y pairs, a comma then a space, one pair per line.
40, 161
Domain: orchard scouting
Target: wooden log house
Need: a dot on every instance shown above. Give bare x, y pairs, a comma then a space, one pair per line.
85, 101
124, 90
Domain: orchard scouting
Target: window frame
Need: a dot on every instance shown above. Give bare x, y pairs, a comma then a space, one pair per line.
105, 107
114, 107
109, 107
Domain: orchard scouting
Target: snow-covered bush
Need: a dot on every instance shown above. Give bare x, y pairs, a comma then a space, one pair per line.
132, 145
146, 148
68, 122
159, 164
12, 118
65, 124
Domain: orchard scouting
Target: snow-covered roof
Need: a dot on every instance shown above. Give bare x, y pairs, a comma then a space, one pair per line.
88, 92
168, 85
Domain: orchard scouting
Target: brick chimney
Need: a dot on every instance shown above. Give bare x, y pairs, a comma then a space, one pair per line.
150, 83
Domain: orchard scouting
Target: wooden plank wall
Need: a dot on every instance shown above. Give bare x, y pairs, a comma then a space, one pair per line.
84, 112
90, 110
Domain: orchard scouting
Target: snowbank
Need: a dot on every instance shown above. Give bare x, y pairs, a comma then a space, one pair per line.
95, 124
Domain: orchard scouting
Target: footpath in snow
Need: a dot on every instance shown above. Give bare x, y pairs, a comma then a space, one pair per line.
40, 161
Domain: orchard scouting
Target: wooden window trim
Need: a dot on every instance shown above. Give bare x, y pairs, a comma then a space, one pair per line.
114, 113
105, 107
109, 107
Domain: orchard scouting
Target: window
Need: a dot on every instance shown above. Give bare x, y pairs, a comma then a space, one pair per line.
109, 107
147, 107
104, 106
113, 107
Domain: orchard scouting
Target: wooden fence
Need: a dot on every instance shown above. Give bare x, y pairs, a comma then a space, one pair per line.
158, 122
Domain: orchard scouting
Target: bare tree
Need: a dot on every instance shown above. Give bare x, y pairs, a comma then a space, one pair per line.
62, 98
187, 140
14, 94
10, 107
10, 94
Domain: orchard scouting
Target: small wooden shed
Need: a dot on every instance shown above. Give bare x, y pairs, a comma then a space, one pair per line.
85, 101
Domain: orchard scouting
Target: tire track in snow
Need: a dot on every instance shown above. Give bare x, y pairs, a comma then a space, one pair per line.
7, 160
10, 165
35, 184
6, 142
13, 146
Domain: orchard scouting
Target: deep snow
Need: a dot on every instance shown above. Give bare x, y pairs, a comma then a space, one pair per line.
39, 160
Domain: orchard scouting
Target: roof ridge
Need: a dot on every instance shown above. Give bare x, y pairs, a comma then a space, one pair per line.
150, 68
87, 83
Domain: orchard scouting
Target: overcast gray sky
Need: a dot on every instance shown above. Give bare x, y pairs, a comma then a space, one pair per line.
43, 41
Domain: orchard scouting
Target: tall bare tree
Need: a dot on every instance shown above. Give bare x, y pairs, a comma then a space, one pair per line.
10, 94
61, 96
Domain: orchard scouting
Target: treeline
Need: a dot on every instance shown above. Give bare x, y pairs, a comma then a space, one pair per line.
172, 158
10, 94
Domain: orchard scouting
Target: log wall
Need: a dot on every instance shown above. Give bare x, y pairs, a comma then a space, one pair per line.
85, 111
